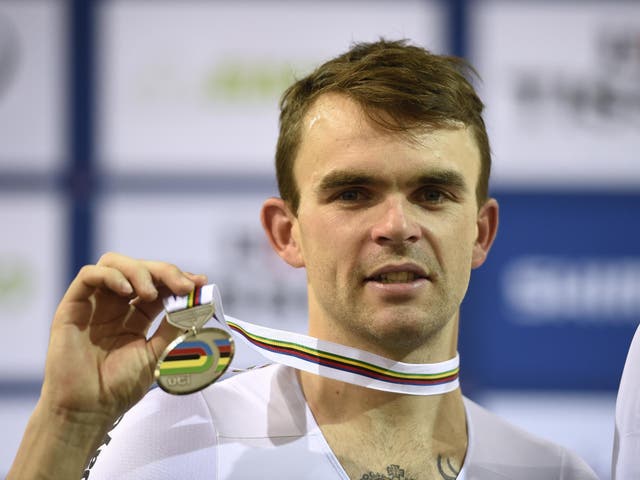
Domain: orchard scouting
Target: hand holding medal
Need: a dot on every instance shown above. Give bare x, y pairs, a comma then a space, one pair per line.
198, 357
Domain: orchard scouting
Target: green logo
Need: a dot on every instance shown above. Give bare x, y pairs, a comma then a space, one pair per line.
243, 80
14, 279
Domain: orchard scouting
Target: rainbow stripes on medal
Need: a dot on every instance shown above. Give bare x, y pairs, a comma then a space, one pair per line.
188, 357
196, 356
348, 364
225, 349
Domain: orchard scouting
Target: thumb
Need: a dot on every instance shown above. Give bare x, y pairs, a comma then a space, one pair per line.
162, 337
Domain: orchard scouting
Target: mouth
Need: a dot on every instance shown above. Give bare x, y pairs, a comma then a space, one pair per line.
395, 277
398, 274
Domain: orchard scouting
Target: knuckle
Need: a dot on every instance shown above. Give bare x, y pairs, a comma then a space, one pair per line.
107, 257
86, 270
174, 269
164, 268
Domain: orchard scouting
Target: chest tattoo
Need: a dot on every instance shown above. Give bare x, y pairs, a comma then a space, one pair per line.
446, 470
394, 472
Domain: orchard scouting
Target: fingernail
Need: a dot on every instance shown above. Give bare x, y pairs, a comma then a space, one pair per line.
151, 288
125, 287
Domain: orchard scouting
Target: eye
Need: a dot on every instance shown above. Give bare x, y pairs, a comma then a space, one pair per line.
351, 195
432, 196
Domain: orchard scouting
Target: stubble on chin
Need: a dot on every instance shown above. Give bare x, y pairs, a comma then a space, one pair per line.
391, 330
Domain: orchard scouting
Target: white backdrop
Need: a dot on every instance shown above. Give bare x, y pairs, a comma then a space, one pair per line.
561, 81
32, 268
32, 89
193, 86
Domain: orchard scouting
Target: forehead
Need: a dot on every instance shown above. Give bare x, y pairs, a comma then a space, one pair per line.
337, 134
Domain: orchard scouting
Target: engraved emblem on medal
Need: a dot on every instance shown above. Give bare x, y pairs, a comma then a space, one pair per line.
199, 356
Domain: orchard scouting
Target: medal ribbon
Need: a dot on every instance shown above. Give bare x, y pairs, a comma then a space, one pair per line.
329, 359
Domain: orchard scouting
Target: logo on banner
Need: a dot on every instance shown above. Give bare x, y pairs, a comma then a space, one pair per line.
15, 280
548, 289
234, 80
241, 80
608, 94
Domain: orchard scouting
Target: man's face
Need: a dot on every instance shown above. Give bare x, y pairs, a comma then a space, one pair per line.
386, 226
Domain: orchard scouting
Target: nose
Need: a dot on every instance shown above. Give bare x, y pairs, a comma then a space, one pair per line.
395, 225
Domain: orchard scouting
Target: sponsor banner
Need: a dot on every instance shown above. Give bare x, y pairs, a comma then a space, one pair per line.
561, 81
33, 272
557, 302
32, 90
219, 235
186, 86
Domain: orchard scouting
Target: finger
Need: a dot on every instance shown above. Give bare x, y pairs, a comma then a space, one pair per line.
92, 277
175, 285
137, 321
169, 280
135, 271
152, 280
171, 277
198, 278
146, 275
149, 310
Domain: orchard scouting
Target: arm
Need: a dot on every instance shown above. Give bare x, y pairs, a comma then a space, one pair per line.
99, 361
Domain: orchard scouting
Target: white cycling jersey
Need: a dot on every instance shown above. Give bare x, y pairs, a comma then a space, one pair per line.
626, 443
258, 425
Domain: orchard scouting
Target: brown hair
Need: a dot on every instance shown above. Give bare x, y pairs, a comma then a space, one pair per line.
400, 87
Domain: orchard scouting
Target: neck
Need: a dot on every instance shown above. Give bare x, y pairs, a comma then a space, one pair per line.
334, 402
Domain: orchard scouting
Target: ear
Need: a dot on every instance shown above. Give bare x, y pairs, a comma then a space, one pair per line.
279, 224
487, 226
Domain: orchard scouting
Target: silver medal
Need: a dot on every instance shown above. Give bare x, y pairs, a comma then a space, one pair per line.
194, 361
198, 357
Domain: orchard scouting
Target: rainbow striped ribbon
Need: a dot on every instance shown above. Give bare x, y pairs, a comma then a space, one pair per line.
331, 360
348, 364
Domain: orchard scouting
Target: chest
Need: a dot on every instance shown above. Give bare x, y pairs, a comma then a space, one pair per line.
394, 454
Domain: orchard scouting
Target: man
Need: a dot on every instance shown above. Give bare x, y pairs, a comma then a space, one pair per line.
383, 164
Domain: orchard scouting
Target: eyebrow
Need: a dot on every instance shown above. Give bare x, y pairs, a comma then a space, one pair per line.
446, 178
340, 179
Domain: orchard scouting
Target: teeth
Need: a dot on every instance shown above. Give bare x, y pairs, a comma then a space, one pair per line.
396, 277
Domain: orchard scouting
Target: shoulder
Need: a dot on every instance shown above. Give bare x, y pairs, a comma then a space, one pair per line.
498, 449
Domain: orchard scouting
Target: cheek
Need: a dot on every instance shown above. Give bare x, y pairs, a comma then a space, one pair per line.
457, 243
316, 242
324, 230
330, 248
